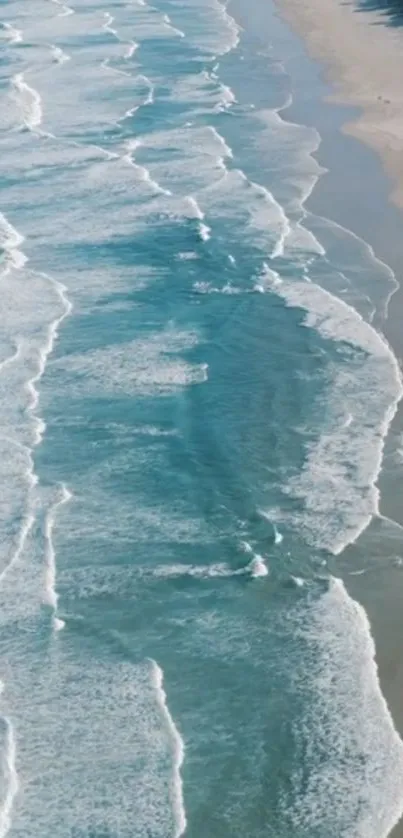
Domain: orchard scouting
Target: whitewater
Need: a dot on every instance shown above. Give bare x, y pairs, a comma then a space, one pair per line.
196, 396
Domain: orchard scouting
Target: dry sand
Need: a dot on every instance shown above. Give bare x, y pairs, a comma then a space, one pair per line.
363, 56
365, 64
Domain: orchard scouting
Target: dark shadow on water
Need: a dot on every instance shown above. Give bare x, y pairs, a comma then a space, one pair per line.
390, 10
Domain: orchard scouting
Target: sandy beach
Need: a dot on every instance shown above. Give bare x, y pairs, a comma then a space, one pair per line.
361, 53
364, 60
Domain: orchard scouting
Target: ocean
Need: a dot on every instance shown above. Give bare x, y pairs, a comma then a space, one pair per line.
195, 395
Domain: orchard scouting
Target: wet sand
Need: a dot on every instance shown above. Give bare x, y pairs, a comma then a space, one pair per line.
363, 59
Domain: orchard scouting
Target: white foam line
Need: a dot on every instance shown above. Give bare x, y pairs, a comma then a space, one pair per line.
276, 115
229, 97
196, 212
12, 777
107, 26
395, 284
43, 354
169, 25
31, 105
393, 811
110, 155
131, 146
150, 95
376, 259
67, 10
147, 101
372, 308
23, 535
107, 66
177, 749
278, 249
11, 358
10, 241
132, 47
227, 150
232, 24
221, 570
130, 112
325, 311
390, 521
276, 285
14, 35
50, 576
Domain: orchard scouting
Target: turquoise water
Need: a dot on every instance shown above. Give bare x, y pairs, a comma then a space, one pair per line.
195, 395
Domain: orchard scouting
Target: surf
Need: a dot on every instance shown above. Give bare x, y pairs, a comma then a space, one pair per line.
10, 778
51, 595
177, 750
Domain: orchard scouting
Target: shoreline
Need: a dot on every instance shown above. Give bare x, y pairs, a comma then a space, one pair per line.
363, 75
358, 72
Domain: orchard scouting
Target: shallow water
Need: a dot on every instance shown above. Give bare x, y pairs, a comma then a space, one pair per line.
195, 397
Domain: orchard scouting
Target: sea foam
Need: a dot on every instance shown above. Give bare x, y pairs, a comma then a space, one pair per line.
50, 557
178, 752
337, 485
10, 778
353, 756
13, 35
29, 101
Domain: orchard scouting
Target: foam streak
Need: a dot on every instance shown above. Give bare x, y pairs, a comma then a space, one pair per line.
142, 171
177, 749
29, 101
10, 241
11, 779
14, 36
23, 535
66, 10
50, 577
